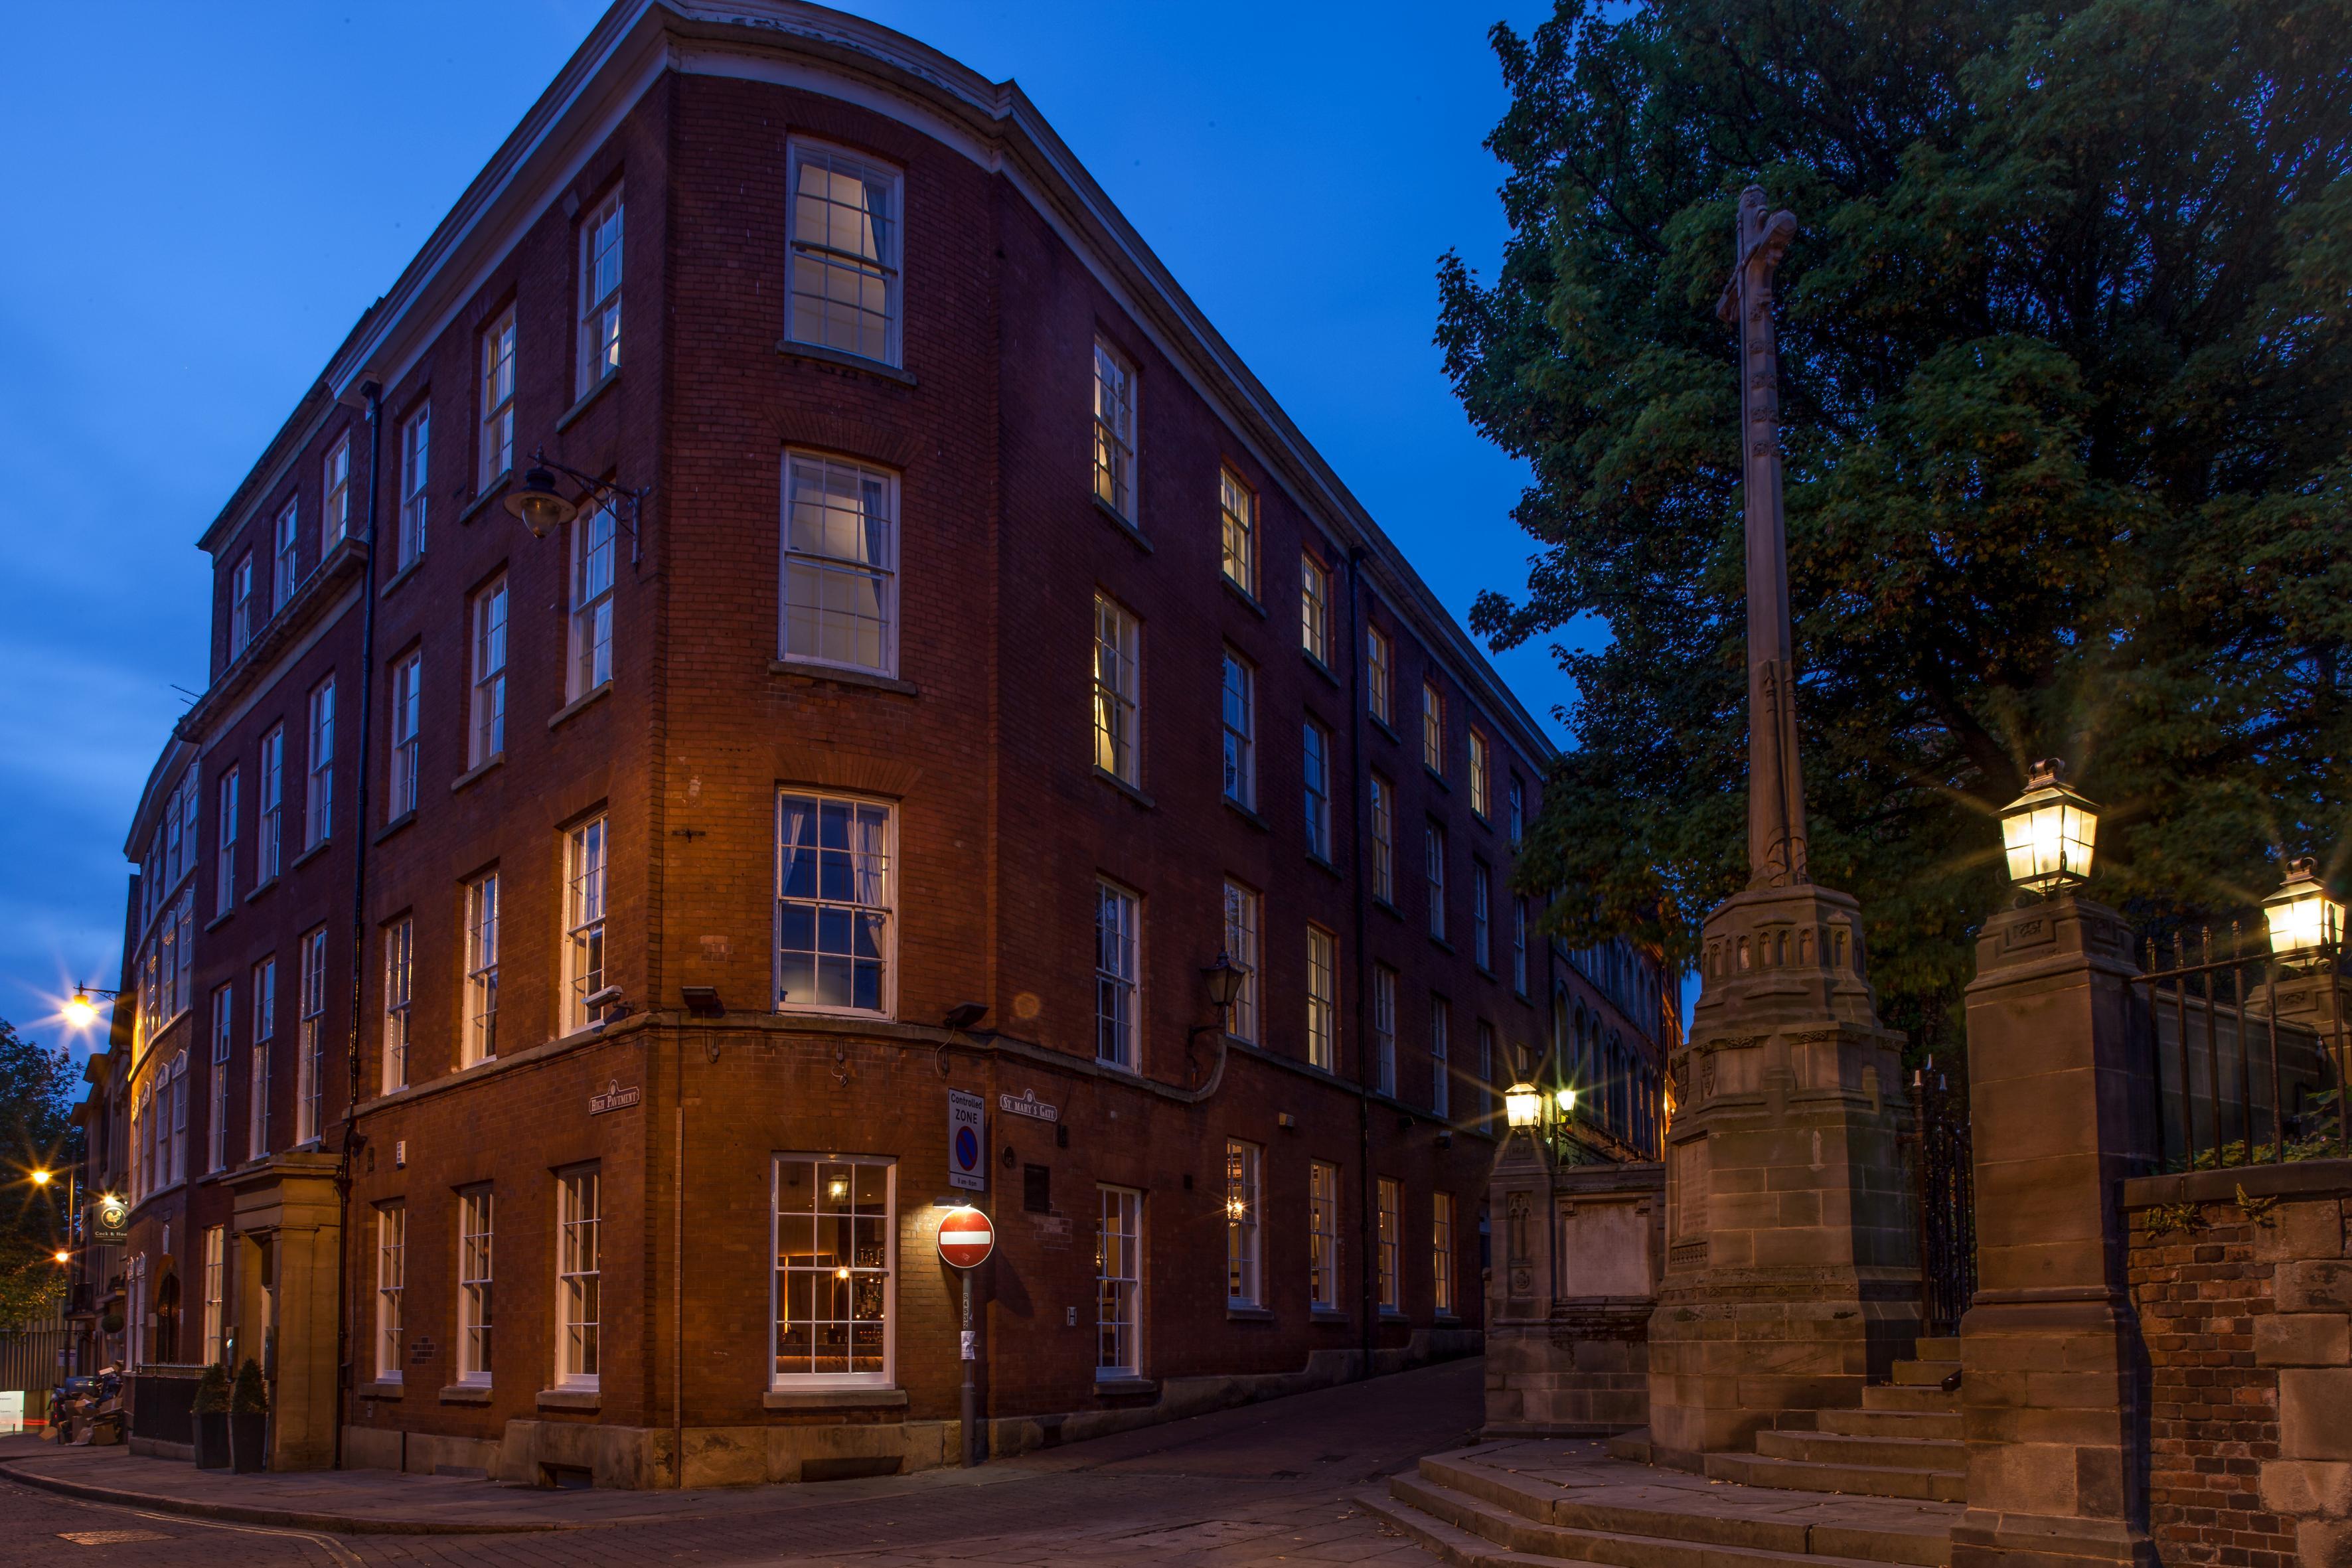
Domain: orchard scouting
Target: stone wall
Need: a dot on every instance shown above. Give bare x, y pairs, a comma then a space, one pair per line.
2243, 1290
1567, 1317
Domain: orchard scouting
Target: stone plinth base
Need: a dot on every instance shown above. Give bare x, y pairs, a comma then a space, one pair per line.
1585, 1374
1568, 1320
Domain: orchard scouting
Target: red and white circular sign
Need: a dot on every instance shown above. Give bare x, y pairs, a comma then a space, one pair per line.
966, 1237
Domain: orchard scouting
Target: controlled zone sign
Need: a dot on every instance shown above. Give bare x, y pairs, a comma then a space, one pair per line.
967, 1142
966, 1238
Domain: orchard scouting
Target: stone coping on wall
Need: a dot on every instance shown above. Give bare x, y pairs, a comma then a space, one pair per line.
2292, 1179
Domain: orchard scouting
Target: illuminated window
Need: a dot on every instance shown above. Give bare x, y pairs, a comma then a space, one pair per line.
481, 1015
584, 923
399, 986
1379, 665
1323, 1236
310, 1041
475, 1306
835, 1218
390, 1285
1114, 430
1433, 728
579, 1278
1118, 1284
834, 902
1242, 1234
1118, 692
1390, 1203
845, 279
1480, 789
1314, 609
840, 564
1238, 504
1322, 999
1441, 1252
1241, 949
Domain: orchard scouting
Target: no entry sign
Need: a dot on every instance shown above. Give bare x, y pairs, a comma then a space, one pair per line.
966, 1237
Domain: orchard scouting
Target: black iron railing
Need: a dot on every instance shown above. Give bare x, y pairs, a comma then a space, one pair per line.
1944, 1176
2248, 1049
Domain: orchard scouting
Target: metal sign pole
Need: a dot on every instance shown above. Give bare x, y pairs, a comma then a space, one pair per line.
971, 1383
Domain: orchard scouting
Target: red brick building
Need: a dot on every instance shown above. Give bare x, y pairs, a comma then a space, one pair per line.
985, 656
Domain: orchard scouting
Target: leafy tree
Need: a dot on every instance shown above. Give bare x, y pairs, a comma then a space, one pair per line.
2066, 360
36, 1132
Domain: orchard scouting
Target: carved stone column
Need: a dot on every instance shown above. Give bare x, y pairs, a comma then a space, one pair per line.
2062, 1096
1792, 1272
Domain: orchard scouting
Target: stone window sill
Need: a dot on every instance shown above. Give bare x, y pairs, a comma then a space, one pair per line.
466, 1394
311, 854
1322, 863
1330, 1317
1321, 668
495, 759
403, 575
1382, 726
1120, 520
1440, 944
1124, 787
1390, 1315
834, 1398
219, 921
1244, 594
260, 888
1119, 1386
571, 1399
564, 420
601, 689
822, 356
394, 826
1436, 778
839, 677
1387, 907
1249, 1315
1245, 814
490, 494
382, 1388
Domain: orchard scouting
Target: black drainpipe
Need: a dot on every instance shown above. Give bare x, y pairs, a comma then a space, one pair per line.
374, 393
1359, 784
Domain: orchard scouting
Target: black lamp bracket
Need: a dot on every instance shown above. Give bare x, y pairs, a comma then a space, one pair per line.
603, 490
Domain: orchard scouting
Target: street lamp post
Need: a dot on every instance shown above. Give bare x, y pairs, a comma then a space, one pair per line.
2049, 832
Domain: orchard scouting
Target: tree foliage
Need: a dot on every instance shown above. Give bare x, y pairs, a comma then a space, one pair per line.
2066, 361
36, 1132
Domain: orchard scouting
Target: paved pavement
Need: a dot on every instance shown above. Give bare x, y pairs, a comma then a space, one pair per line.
1265, 1484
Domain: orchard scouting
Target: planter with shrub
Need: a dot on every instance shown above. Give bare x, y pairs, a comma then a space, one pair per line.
248, 1420
211, 1410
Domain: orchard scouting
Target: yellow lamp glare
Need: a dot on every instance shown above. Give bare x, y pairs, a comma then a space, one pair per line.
81, 1012
62, 1257
1522, 1104
2302, 919
43, 1178
841, 1273
2049, 832
837, 1189
1567, 1098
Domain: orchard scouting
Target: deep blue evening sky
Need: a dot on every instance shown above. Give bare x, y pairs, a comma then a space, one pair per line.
203, 199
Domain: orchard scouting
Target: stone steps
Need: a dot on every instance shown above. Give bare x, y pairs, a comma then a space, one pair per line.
1719, 1523
1470, 1533
1945, 1349
1873, 1421
1907, 1452
1892, 1396
1862, 1480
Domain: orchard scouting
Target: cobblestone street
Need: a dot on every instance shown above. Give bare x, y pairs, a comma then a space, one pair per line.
1265, 1484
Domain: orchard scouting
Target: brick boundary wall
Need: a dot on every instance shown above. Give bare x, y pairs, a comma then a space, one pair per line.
2243, 1290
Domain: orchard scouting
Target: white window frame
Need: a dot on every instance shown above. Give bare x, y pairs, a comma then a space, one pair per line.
579, 1277
1118, 1283
1433, 728
477, 1307
1481, 915
594, 554
585, 863
285, 557
1519, 946
599, 352
1118, 690
1315, 608
311, 1042
399, 998
1384, 1026
1384, 840
214, 1265
1322, 999
318, 763
1481, 778
1237, 516
1380, 667
880, 1275
1115, 431
1518, 808
1486, 1066
257, 1086
1315, 773
391, 1286
224, 1008
1242, 929
1118, 975
1237, 713
335, 492
240, 605
416, 478
811, 568
407, 716
869, 876
224, 871
270, 851
486, 727
1391, 1195
812, 254
1434, 868
1441, 1052
1244, 1239
496, 391
1323, 1236
480, 1024
1440, 1253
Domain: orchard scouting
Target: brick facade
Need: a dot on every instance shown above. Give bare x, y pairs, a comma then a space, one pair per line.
977, 741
